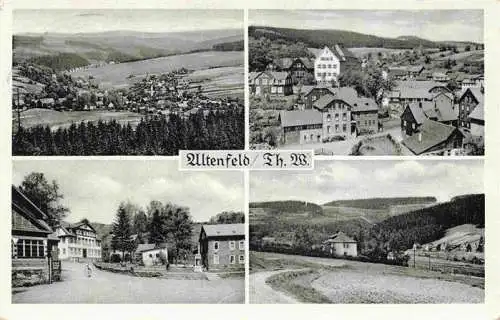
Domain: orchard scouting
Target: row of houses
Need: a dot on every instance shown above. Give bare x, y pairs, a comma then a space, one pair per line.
329, 113
281, 74
421, 73
36, 246
440, 127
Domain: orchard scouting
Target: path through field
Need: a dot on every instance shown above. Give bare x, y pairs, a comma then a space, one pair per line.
261, 292
107, 287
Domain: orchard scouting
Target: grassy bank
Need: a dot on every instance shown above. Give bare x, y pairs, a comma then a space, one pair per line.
298, 284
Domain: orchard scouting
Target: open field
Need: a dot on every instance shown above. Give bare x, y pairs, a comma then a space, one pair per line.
310, 279
217, 82
362, 51
57, 119
115, 75
465, 56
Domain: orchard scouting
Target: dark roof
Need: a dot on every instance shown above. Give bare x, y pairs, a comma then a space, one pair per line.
142, 247
224, 230
476, 93
417, 112
432, 133
324, 101
364, 104
23, 206
339, 237
478, 112
300, 117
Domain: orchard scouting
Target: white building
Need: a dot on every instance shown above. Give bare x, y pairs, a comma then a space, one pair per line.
340, 245
78, 241
150, 254
326, 66
329, 64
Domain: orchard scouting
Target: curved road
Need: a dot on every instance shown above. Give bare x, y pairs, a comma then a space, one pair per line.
261, 292
108, 287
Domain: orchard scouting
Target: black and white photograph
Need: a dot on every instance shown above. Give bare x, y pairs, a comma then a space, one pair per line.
127, 82
367, 82
409, 232
126, 232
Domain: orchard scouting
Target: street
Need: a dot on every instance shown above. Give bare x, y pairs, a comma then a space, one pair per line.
107, 287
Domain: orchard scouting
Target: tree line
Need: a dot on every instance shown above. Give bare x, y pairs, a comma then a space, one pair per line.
396, 234
223, 130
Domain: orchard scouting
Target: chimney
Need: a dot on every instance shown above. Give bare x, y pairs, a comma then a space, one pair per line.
420, 137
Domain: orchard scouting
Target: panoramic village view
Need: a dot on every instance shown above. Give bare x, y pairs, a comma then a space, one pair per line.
127, 82
126, 232
355, 82
369, 232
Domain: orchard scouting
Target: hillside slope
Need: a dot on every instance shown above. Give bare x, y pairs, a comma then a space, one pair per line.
318, 38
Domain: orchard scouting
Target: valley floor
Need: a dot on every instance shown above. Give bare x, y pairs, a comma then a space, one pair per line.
345, 281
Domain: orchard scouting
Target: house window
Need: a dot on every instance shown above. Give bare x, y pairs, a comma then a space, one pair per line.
413, 126
346, 246
216, 259
336, 117
216, 245
232, 259
241, 259
64, 251
232, 245
30, 248
328, 129
344, 116
336, 128
151, 255
305, 138
242, 245
344, 128
328, 118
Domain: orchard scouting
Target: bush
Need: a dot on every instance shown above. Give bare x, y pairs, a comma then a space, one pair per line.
333, 139
115, 258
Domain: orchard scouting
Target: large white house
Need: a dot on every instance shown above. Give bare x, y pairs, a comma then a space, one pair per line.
330, 63
326, 66
78, 241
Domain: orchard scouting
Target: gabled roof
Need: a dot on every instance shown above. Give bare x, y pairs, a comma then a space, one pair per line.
224, 230
476, 93
432, 133
143, 247
300, 117
478, 112
340, 52
340, 237
417, 112
28, 210
323, 101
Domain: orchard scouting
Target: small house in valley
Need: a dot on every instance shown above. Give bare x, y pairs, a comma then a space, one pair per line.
340, 245
222, 246
270, 83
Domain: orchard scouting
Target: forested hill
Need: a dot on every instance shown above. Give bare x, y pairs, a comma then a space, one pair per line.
290, 206
381, 203
428, 224
320, 38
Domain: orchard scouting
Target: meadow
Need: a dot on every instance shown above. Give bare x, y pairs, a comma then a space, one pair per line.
124, 74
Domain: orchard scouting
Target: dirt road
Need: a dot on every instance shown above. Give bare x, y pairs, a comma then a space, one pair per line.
261, 292
107, 287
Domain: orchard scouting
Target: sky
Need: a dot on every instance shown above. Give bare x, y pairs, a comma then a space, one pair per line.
94, 189
83, 21
436, 25
356, 179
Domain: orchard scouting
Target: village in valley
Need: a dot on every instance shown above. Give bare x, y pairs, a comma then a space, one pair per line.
341, 92
391, 232
126, 86
157, 246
